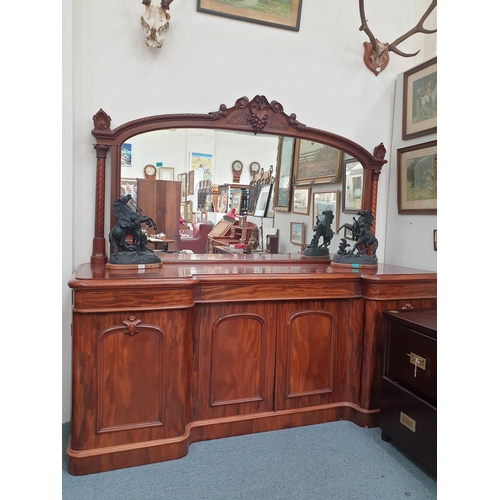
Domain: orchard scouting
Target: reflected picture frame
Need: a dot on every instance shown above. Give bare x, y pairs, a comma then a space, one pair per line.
420, 100
316, 163
284, 171
166, 173
352, 185
263, 200
417, 179
183, 180
327, 200
301, 200
190, 182
297, 233
275, 13
202, 161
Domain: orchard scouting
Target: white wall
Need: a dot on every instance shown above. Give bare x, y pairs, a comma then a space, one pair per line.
317, 73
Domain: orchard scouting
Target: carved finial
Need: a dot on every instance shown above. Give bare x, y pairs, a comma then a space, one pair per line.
379, 151
102, 121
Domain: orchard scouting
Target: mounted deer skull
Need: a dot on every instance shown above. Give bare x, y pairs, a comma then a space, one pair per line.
155, 22
376, 54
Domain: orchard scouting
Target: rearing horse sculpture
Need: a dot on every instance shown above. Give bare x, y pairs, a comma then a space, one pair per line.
361, 230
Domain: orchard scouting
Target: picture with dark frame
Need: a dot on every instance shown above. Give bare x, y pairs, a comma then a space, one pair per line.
417, 179
420, 100
275, 13
263, 200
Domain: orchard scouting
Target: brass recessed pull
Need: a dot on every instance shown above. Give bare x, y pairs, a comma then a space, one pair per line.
408, 422
418, 361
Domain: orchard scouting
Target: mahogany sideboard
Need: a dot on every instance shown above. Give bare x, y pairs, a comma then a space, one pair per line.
211, 346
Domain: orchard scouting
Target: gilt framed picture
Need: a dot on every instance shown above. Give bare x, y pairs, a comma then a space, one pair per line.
283, 14
326, 201
284, 170
352, 185
420, 100
417, 179
316, 163
297, 233
301, 200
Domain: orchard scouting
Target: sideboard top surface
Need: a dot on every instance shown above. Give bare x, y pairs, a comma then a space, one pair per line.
185, 269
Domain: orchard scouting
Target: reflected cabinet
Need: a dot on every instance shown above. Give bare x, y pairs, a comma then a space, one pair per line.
202, 349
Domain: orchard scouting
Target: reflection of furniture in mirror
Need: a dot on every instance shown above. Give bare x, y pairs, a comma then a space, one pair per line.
161, 200
256, 116
225, 234
197, 241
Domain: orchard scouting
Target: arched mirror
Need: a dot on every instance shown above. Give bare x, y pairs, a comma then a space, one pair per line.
258, 118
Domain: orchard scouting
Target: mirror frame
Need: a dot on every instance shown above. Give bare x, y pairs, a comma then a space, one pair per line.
256, 116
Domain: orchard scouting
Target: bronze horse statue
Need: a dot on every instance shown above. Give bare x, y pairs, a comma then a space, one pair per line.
362, 233
128, 224
323, 229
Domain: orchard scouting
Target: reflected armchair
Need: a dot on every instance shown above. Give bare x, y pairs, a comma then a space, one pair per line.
197, 242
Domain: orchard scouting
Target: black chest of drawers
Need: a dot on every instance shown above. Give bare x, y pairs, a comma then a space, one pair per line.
408, 409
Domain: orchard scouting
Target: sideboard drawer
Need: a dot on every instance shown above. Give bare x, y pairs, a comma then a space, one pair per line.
412, 360
410, 421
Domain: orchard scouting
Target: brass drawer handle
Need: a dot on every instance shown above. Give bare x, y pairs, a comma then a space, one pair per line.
418, 361
408, 306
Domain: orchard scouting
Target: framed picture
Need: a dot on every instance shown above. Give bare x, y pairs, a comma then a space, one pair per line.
204, 216
128, 186
352, 186
188, 211
183, 180
297, 233
222, 199
420, 100
417, 179
348, 234
190, 182
202, 161
284, 169
316, 163
301, 200
166, 173
235, 201
276, 13
263, 200
326, 201
126, 155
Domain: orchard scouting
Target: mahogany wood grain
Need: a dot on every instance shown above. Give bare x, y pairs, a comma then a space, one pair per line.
191, 352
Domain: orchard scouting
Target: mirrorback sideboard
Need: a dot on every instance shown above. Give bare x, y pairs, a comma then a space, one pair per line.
211, 346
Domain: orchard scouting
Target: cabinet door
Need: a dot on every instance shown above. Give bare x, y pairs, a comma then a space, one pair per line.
318, 352
236, 358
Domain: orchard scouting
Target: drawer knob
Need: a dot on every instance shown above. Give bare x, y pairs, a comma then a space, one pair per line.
418, 361
408, 306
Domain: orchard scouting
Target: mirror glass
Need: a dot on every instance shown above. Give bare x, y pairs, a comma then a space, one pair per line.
209, 155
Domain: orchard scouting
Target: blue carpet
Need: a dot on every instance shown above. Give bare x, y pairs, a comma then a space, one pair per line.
333, 461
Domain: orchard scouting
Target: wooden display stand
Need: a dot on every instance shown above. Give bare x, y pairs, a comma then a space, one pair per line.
161, 201
212, 346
